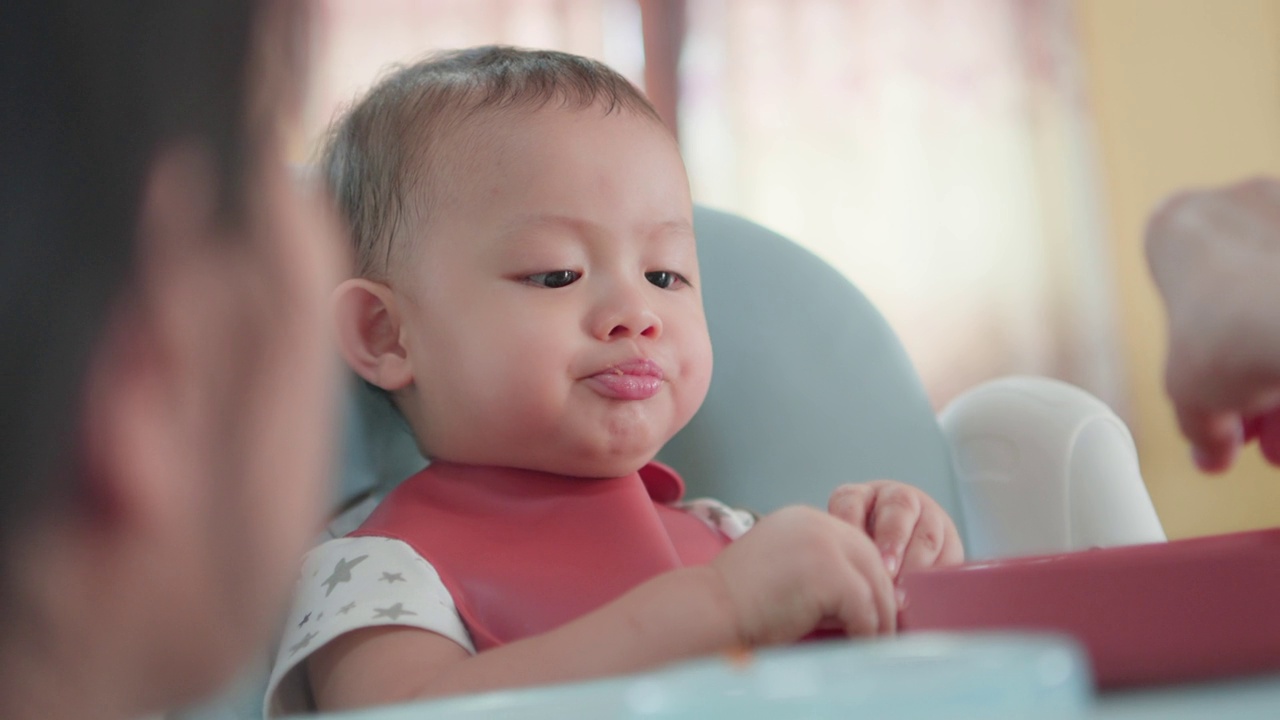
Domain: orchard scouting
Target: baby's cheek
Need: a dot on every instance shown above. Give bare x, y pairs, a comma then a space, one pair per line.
690, 393
696, 357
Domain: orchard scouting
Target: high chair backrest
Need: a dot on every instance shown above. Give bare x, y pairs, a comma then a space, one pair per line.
811, 388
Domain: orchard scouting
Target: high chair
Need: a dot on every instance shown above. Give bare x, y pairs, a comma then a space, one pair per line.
812, 389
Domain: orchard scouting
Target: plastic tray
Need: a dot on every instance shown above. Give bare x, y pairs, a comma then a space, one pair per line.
1173, 612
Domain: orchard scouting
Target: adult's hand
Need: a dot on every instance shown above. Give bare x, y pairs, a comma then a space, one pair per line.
1215, 256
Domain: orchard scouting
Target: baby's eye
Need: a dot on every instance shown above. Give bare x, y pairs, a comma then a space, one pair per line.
554, 279
665, 278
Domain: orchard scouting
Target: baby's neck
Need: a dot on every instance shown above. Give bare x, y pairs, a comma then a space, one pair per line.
556, 472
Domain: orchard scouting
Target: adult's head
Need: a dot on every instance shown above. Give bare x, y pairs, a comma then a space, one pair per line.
166, 381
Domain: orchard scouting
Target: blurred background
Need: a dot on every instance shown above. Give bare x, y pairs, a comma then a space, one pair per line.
981, 169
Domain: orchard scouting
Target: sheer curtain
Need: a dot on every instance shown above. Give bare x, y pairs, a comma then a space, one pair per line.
937, 152
360, 39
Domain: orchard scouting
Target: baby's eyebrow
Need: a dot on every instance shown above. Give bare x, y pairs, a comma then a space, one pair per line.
524, 223
585, 228
680, 226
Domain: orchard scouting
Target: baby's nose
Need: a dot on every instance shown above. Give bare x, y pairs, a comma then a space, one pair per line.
629, 315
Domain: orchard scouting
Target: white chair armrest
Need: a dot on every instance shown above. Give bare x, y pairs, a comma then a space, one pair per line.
1044, 467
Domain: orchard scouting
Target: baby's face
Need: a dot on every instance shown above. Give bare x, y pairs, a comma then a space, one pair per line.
552, 307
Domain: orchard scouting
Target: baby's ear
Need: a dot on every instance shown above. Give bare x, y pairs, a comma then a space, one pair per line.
369, 333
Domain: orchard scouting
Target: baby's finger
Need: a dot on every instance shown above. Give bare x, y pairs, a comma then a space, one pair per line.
928, 541
857, 613
893, 520
952, 546
852, 503
865, 562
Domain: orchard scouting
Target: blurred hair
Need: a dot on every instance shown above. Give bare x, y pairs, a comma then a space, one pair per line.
391, 143
92, 92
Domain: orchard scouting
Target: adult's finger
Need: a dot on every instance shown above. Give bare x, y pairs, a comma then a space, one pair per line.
1268, 433
1215, 436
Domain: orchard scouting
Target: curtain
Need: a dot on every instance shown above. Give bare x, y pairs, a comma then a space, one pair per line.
359, 40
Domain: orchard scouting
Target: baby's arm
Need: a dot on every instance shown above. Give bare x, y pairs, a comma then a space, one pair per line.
679, 614
796, 571
908, 527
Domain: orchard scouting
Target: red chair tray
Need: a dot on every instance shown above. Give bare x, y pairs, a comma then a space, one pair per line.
1148, 614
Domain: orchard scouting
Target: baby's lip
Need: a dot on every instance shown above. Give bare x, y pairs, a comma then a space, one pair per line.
638, 379
641, 367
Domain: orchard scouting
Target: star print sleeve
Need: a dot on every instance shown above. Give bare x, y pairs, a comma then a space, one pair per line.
349, 584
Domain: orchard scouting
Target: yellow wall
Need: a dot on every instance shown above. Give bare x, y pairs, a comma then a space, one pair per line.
1186, 93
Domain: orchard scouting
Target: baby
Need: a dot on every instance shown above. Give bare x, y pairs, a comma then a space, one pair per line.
528, 295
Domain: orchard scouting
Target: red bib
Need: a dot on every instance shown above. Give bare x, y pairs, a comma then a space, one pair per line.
524, 552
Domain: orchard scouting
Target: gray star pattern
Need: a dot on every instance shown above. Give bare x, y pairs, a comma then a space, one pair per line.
305, 641
341, 573
395, 612
391, 578
346, 608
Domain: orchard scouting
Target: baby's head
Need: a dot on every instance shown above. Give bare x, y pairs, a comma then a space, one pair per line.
528, 288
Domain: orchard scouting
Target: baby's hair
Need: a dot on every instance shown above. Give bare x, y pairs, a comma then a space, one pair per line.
385, 147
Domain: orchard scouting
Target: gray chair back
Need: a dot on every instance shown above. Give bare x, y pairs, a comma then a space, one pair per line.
811, 386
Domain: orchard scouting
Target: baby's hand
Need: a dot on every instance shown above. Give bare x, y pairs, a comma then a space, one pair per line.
800, 570
910, 530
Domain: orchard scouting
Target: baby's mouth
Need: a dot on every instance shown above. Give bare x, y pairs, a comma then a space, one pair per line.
638, 379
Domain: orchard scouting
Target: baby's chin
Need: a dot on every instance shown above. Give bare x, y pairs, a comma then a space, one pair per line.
558, 460
570, 453
595, 467
587, 460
